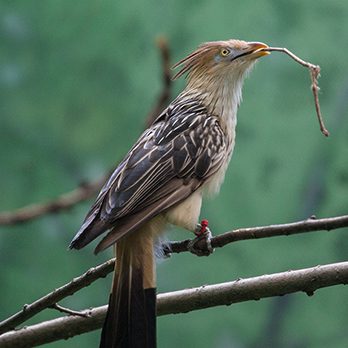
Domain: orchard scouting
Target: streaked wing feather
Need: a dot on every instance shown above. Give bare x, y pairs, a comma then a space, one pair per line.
181, 150
176, 193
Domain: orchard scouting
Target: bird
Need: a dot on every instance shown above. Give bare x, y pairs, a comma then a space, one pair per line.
179, 159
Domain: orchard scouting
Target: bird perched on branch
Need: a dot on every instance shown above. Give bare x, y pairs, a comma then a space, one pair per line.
180, 157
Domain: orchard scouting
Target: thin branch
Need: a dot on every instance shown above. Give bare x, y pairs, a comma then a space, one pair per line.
163, 99
219, 241
309, 225
69, 311
29, 310
89, 189
63, 202
314, 73
305, 280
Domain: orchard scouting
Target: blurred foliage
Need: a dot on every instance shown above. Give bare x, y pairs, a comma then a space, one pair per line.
77, 79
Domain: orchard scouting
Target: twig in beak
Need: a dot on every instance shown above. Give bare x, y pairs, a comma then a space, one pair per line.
314, 73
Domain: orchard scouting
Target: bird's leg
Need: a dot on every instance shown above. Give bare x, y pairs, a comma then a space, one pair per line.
201, 245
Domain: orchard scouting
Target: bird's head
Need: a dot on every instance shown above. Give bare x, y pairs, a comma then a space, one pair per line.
220, 59
216, 71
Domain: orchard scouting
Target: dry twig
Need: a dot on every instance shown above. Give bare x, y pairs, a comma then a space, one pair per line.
64, 202
305, 280
314, 73
59, 308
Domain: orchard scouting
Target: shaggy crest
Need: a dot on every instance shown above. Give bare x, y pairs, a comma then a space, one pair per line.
204, 54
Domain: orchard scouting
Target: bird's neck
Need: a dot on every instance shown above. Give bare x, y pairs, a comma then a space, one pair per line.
221, 94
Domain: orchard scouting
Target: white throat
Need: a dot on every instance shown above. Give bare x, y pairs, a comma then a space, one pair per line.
221, 93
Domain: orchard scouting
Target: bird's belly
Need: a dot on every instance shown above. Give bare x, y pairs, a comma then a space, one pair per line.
186, 213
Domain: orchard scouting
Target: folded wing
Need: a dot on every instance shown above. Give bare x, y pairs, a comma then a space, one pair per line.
172, 158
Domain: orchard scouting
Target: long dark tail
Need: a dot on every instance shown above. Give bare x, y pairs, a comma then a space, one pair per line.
131, 318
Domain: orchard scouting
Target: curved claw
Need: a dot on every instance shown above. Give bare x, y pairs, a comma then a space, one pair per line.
201, 245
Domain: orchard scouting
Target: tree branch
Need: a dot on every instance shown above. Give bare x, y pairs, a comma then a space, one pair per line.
164, 96
63, 202
29, 310
89, 189
69, 311
305, 280
310, 225
219, 241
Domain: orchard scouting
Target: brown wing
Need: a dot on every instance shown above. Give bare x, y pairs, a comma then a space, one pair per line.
171, 159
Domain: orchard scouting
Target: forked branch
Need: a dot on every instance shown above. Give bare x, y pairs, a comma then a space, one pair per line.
87, 190
305, 280
309, 225
49, 300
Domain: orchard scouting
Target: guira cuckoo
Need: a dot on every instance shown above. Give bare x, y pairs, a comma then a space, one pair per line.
181, 156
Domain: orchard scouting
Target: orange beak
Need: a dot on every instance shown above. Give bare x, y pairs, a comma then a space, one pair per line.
257, 49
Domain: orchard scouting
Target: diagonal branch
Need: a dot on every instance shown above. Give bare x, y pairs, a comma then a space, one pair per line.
164, 96
63, 202
305, 280
29, 310
221, 240
89, 189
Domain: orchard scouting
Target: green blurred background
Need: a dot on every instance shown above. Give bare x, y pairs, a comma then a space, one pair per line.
77, 80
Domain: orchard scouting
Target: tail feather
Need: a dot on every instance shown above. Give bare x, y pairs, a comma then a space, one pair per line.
131, 316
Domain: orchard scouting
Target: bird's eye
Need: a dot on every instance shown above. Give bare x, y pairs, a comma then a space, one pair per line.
224, 52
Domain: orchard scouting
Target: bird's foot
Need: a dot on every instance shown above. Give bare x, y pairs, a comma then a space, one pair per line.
201, 245
166, 251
